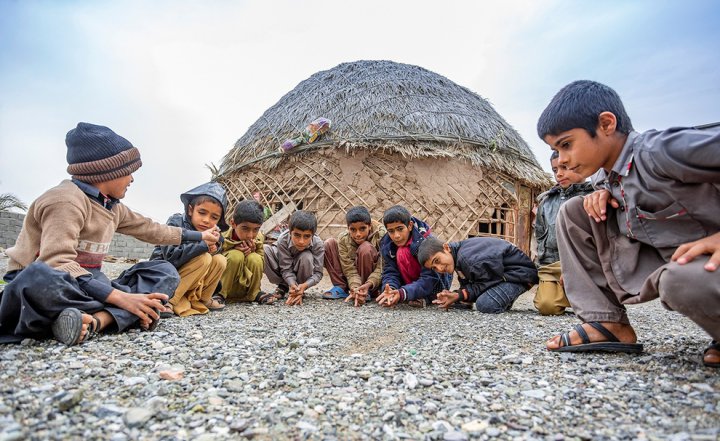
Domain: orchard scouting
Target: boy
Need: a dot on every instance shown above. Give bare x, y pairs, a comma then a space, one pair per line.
403, 278
492, 272
550, 296
296, 256
199, 264
643, 234
243, 248
55, 282
353, 259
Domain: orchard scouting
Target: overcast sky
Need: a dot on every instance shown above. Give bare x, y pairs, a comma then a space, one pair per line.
183, 80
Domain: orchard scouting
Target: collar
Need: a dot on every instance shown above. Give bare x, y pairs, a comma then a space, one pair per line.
624, 161
94, 194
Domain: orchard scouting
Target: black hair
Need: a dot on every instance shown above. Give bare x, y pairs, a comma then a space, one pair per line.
397, 213
554, 155
358, 214
303, 220
428, 248
578, 106
248, 211
201, 199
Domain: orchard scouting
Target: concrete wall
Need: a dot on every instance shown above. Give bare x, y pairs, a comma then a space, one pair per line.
121, 245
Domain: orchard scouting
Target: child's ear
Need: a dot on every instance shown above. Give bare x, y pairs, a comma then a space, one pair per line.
410, 225
446, 247
189, 210
607, 123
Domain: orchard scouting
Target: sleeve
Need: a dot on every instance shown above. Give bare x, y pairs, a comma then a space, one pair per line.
318, 252
179, 255
375, 276
285, 261
390, 271
147, 230
95, 288
260, 245
347, 263
686, 155
421, 288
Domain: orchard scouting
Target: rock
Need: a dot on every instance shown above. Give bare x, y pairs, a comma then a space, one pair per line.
454, 436
68, 399
172, 375
137, 416
475, 426
534, 393
411, 380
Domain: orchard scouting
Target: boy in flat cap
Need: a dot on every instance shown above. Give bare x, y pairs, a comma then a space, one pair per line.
55, 283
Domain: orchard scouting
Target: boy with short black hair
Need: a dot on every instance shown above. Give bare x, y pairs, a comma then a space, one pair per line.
243, 248
55, 283
643, 234
295, 261
353, 259
199, 264
403, 278
492, 272
550, 296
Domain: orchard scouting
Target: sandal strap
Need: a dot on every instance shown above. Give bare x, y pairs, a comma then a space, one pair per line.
604, 331
565, 339
583, 335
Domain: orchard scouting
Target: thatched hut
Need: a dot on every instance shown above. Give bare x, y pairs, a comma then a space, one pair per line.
400, 135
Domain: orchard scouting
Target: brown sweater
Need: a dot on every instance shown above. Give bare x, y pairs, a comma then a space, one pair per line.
347, 249
70, 232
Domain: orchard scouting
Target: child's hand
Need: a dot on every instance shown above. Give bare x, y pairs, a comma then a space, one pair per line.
359, 295
446, 298
595, 204
687, 252
144, 306
212, 248
295, 296
389, 297
245, 246
210, 237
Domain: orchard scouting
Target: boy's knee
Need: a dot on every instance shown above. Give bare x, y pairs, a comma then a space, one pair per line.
685, 287
549, 308
305, 258
219, 261
486, 307
331, 243
572, 209
254, 261
366, 250
235, 257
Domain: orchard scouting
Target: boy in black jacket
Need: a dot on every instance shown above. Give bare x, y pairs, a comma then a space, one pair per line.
492, 272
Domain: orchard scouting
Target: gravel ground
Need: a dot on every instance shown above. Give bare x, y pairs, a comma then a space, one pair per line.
327, 370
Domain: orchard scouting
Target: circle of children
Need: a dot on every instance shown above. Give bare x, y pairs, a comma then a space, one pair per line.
648, 227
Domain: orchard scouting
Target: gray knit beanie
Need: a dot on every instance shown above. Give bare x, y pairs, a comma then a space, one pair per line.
97, 154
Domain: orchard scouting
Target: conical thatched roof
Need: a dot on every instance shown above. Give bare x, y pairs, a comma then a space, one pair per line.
392, 107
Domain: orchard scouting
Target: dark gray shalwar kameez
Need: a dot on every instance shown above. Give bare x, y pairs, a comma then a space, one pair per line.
668, 186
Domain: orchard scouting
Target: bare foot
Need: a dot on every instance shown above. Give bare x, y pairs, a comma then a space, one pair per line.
87, 321
624, 333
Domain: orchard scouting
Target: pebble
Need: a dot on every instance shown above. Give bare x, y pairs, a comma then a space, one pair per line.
137, 416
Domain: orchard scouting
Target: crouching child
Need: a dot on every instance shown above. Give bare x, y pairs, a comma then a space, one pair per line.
492, 272
199, 264
243, 248
295, 262
403, 277
353, 259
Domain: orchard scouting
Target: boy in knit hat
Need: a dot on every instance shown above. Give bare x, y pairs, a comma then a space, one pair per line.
55, 283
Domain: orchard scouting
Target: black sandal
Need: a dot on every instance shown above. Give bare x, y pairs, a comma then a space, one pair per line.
267, 298
713, 345
67, 327
611, 345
